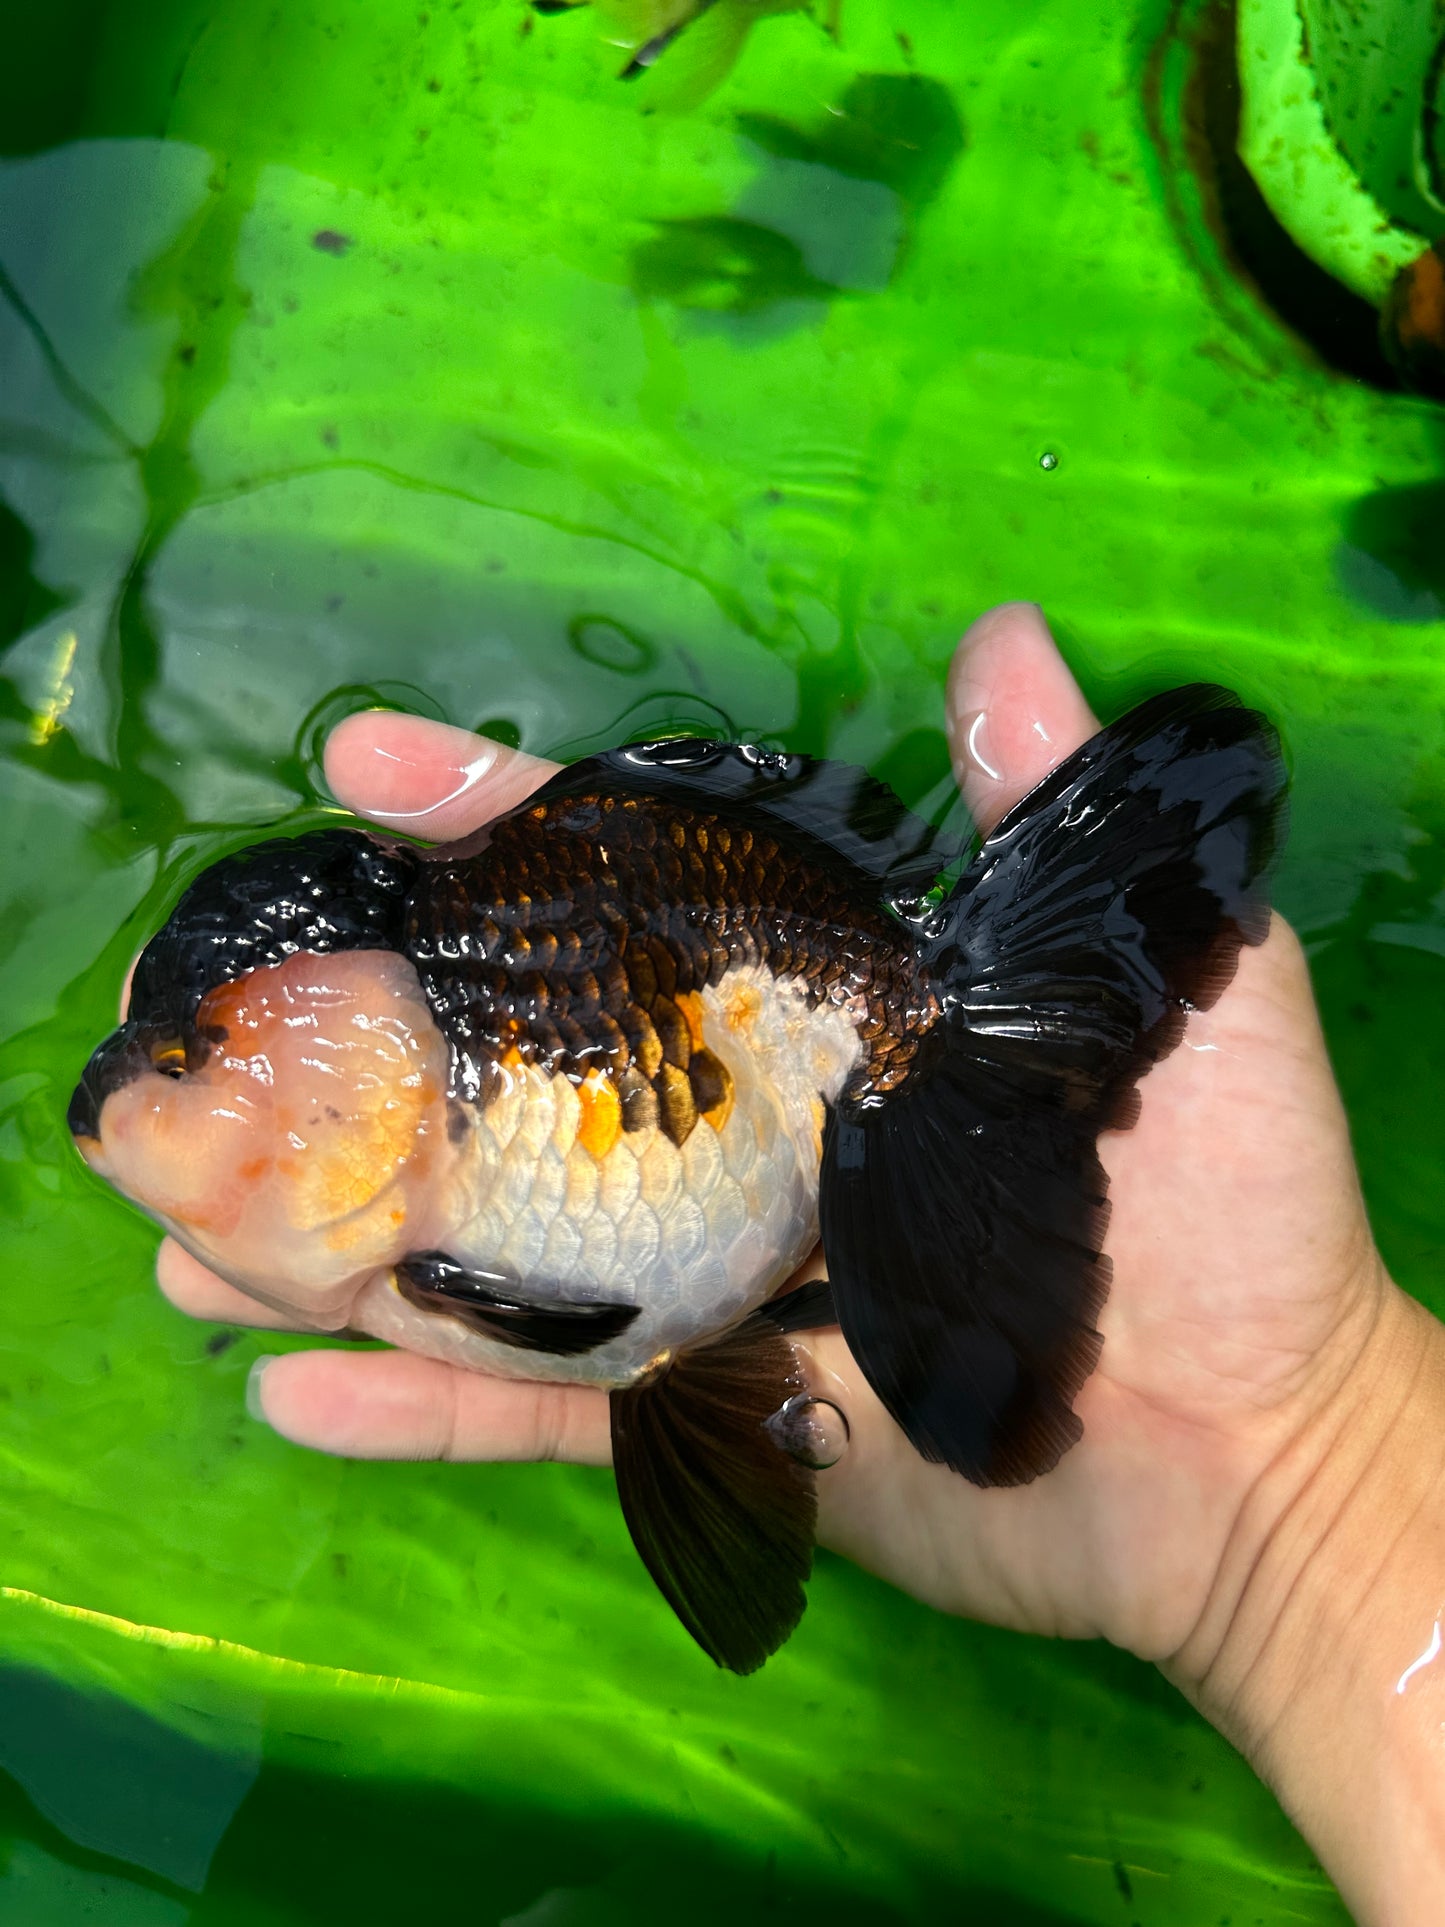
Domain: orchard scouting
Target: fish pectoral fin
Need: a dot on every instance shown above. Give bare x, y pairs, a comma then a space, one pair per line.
722, 1517
489, 1303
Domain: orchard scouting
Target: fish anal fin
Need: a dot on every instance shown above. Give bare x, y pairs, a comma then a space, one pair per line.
720, 1515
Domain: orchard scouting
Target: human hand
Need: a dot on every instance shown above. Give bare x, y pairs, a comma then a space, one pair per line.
1248, 1335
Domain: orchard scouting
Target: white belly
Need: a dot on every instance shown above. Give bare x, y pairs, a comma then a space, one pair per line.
694, 1235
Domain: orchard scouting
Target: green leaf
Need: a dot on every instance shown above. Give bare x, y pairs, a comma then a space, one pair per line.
1374, 63
1300, 159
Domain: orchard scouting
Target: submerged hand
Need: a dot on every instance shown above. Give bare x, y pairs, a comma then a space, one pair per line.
1250, 1406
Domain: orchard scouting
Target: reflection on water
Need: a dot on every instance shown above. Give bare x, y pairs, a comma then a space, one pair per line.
402, 359
107, 1815
850, 182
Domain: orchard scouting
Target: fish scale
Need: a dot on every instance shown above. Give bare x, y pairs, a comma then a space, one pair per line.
679, 899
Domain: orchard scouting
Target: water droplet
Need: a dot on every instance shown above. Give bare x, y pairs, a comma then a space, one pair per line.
811, 1430
1048, 459
611, 644
501, 729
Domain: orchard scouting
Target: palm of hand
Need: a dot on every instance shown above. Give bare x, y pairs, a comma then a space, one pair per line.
1242, 1260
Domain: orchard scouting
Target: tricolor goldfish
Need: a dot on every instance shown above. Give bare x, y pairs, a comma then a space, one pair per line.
571, 1100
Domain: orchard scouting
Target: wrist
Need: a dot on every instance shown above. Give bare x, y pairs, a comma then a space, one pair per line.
1316, 1652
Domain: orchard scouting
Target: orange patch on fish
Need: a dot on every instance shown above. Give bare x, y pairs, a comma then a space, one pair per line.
741, 1005
690, 1005
234, 1009
601, 1124
344, 1168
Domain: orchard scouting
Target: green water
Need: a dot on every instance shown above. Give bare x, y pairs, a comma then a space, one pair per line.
383, 350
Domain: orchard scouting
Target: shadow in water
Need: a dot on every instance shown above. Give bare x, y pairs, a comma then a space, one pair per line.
25, 601
900, 130
1391, 559
280, 1843
830, 211
721, 265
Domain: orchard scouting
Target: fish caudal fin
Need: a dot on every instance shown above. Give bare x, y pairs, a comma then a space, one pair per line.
722, 1516
963, 1216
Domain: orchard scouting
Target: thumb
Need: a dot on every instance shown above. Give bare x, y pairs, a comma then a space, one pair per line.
1014, 709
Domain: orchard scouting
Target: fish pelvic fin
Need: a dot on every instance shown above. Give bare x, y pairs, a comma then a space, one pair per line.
722, 1517
963, 1216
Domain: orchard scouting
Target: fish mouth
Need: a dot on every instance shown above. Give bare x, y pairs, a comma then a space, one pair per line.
124, 1056
111, 1067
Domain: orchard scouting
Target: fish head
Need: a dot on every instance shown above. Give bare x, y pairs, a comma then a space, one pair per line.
287, 1123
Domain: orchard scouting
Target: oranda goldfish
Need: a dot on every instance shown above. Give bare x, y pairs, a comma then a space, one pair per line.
571, 1099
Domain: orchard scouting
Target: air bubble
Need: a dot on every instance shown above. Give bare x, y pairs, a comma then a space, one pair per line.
1048, 459
811, 1430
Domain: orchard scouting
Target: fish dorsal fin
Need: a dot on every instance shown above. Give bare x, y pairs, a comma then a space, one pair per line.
812, 803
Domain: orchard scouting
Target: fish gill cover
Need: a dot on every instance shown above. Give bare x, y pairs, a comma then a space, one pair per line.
406, 354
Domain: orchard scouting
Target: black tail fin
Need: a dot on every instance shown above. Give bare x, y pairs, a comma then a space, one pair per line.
963, 1216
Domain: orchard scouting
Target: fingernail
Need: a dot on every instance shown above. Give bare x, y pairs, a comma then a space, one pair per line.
972, 689
253, 1387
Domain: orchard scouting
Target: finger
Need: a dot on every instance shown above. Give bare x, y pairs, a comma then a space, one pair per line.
426, 778
1014, 709
394, 1405
201, 1294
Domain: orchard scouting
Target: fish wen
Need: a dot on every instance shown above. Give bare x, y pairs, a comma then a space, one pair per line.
571, 1100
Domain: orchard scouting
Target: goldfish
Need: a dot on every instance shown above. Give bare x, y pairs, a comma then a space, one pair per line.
571, 1099
709, 35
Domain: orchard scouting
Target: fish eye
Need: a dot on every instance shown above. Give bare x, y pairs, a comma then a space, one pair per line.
169, 1058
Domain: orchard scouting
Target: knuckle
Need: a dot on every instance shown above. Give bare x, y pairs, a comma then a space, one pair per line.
552, 1422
